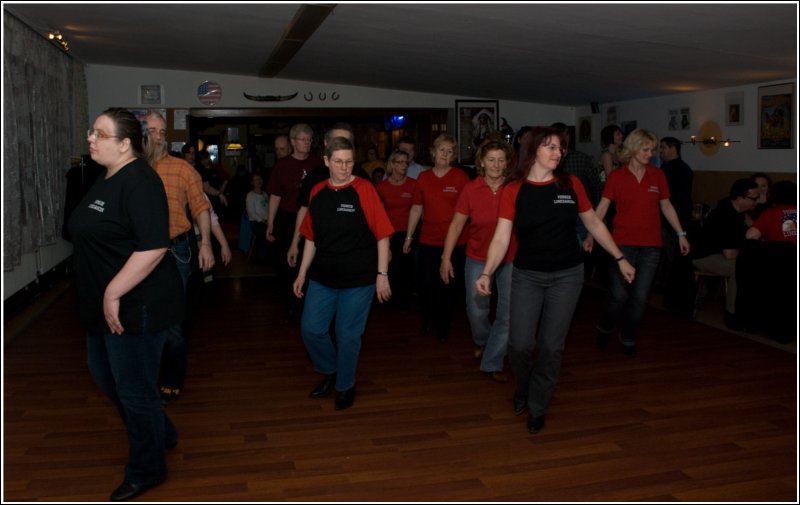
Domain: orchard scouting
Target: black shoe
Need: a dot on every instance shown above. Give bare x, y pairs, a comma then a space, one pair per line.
128, 490
732, 322
602, 339
629, 350
344, 399
535, 424
324, 388
520, 405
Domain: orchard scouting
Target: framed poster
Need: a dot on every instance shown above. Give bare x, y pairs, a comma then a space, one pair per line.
733, 108
585, 130
151, 94
775, 120
476, 120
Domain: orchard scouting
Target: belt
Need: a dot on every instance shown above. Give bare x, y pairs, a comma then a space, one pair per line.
180, 238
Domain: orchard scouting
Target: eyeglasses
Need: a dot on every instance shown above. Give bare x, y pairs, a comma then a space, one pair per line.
98, 135
342, 163
401, 162
553, 148
303, 139
154, 131
754, 198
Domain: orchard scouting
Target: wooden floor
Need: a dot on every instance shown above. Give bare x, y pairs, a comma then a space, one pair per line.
700, 415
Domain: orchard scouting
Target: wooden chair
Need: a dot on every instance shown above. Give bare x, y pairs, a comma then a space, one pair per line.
701, 280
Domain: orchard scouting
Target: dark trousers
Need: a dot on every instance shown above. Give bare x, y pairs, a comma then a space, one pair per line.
437, 299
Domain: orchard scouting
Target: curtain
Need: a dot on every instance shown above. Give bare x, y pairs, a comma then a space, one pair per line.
45, 108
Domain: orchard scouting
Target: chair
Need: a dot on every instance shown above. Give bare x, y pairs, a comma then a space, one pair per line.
701, 282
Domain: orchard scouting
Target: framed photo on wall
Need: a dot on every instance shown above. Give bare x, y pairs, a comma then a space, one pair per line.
151, 94
733, 109
476, 120
775, 120
585, 130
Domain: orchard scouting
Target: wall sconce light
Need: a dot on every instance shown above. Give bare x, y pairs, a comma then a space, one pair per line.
56, 37
711, 141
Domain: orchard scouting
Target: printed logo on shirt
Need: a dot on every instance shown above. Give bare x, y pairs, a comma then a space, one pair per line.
450, 189
346, 207
406, 194
789, 225
653, 189
564, 199
98, 205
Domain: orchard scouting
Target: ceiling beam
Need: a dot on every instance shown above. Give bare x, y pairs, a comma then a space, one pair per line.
305, 23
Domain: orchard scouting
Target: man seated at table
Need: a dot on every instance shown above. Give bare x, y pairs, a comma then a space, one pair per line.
723, 237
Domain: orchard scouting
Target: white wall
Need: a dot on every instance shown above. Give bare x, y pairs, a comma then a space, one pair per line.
113, 86
653, 114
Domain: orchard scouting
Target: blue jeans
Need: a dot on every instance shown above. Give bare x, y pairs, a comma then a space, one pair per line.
125, 367
630, 300
494, 336
351, 308
542, 306
173, 360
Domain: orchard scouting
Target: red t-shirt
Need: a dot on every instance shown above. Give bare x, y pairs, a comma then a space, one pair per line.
398, 200
638, 204
778, 224
479, 203
438, 197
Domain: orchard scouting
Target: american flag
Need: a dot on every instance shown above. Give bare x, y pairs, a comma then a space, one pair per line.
209, 93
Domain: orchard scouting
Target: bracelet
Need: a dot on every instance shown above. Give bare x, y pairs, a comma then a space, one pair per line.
487, 275
205, 243
681, 233
619, 259
409, 237
384, 274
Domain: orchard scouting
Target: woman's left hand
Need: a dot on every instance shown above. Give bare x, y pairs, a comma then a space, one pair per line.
111, 314
382, 288
627, 270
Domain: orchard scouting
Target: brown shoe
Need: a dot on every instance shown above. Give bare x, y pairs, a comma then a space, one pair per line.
477, 353
500, 377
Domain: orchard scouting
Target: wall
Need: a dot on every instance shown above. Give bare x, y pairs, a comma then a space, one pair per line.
653, 114
119, 86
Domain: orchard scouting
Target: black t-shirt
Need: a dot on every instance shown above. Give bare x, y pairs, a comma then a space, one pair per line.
121, 215
724, 228
544, 220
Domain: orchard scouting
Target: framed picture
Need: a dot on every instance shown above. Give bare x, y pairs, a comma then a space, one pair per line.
611, 115
476, 120
733, 108
151, 94
585, 130
627, 127
775, 121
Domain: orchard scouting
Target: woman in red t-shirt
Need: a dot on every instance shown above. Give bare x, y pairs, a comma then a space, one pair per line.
434, 201
397, 193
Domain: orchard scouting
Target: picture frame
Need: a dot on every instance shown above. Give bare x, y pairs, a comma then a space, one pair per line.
733, 109
585, 130
775, 120
151, 94
476, 120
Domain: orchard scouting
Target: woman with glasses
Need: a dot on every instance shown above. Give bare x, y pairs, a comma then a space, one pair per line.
346, 259
130, 291
434, 202
542, 203
640, 193
476, 216
397, 193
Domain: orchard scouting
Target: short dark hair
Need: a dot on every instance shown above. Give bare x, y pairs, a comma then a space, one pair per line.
128, 127
607, 134
783, 192
740, 188
186, 148
406, 139
673, 142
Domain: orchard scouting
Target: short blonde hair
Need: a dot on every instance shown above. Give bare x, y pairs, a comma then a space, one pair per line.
397, 153
492, 145
634, 142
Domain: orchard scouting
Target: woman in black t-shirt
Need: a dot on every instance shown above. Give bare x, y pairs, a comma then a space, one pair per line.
129, 291
346, 258
542, 205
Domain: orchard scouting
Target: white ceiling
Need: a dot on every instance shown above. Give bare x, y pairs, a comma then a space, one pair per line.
563, 54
